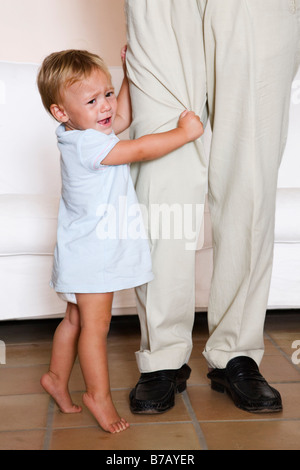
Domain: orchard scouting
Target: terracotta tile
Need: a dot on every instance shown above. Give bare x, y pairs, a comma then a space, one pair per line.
137, 437
198, 348
290, 394
61, 420
123, 374
199, 371
290, 346
278, 369
210, 405
268, 435
22, 440
271, 349
18, 355
24, 404
124, 336
122, 352
288, 334
19, 412
21, 380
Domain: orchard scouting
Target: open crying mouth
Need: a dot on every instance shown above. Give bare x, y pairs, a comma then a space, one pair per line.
105, 121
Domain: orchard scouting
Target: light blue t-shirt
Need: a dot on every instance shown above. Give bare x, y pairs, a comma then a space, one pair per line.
101, 242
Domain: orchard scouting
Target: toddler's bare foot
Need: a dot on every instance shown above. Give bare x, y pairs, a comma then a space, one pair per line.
105, 413
61, 396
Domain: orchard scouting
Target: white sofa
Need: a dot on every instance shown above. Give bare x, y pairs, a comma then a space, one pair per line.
29, 196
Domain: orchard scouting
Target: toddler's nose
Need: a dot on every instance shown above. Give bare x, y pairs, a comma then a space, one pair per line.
105, 105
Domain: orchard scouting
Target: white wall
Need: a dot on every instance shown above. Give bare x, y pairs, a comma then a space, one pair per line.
31, 29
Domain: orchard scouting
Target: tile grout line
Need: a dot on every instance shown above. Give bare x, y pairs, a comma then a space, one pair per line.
195, 422
284, 354
262, 420
48, 433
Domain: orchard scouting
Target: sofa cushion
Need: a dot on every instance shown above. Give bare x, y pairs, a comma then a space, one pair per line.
287, 226
29, 161
285, 283
28, 224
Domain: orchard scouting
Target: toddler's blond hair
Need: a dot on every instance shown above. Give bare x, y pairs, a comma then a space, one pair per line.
62, 69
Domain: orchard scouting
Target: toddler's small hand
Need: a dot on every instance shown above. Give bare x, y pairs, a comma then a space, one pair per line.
191, 124
123, 53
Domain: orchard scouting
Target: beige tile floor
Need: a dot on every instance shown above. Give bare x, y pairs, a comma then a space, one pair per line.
201, 419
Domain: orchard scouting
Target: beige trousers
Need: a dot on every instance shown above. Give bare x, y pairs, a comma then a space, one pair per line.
234, 61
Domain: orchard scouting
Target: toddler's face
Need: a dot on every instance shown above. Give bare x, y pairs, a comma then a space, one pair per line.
90, 103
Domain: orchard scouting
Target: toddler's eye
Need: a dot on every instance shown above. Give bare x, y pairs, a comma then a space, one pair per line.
109, 94
92, 101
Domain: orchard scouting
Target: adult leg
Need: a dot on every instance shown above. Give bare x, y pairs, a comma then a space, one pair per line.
166, 68
252, 48
64, 352
95, 316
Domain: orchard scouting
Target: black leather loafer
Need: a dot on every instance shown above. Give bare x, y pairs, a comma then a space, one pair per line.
246, 386
155, 391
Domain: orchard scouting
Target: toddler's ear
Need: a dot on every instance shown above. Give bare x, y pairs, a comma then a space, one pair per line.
59, 113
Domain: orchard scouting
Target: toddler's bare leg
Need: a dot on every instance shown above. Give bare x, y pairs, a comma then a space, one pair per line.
64, 351
95, 314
